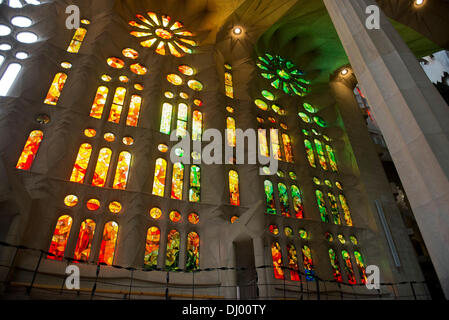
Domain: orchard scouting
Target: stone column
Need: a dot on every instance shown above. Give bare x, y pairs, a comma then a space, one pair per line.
411, 114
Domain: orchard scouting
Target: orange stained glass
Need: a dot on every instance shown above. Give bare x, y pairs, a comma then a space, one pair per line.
30, 150
174, 79
152, 247
101, 170
177, 181
161, 48
106, 78
107, 249
234, 188
71, 200
164, 34
116, 63
128, 141
77, 40
197, 125
155, 213
229, 91
81, 163
287, 148
143, 19
162, 148
193, 218
134, 111
193, 251
115, 207
276, 150
263, 143
148, 43
122, 172
198, 102
230, 126
60, 236
109, 137
138, 69
228, 79
186, 70
85, 237
175, 216
139, 86
130, 53
293, 262
277, 260
90, 133
195, 85
160, 173
116, 108
99, 102
123, 79
174, 51
234, 219
153, 17
93, 204
55, 89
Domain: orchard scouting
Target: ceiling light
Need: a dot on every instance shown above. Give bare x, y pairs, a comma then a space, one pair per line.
419, 3
237, 31
345, 71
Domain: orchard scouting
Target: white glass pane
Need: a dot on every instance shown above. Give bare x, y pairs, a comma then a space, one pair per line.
35, 2
15, 4
22, 22
9, 77
5, 46
4, 30
21, 55
26, 37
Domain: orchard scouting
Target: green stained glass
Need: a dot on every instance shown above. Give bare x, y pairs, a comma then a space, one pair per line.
283, 74
361, 266
345, 207
309, 108
320, 152
305, 132
195, 184
327, 138
268, 95
332, 160
335, 266
264, 60
320, 121
328, 183
195, 85
316, 181
280, 174
286, 88
297, 202
267, 75
304, 117
303, 234
283, 198
348, 267
354, 240
334, 208
261, 66
310, 153
292, 175
276, 84
172, 257
269, 194
321, 205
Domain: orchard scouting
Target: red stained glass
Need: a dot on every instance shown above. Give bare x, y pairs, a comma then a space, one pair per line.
99, 102
85, 237
277, 260
81, 163
107, 249
30, 150
55, 89
121, 174
60, 237
101, 170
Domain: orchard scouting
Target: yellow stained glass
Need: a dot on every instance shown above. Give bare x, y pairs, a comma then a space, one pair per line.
99, 102
138, 69
55, 89
85, 237
90, 133
186, 70
263, 143
130, 53
93, 204
174, 79
152, 247
230, 127
193, 218
138, 86
106, 78
30, 150
197, 125
166, 117
116, 63
121, 174
101, 170
134, 111
160, 173
123, 79
155, 213
287, 148
71, 200
234, 188
109, 137
81, 163
161, 48
175, 216
115, 207
164, 34
345, 207
77, 40
128, 141
174, 51
107, 248
276, 150
66, 65
195, 85
177, 181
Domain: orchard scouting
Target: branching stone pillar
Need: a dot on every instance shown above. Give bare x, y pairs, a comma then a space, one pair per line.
411, 114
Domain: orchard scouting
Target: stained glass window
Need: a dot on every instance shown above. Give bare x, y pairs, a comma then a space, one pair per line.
319, 121
345, 207
197, 125
134, 111
30, 150
85, 237
167, 110
308, 263
332, 160
229, 90
195, 85
173, 244
348, 267
93, 204
263, 144
310, 153
81, 163
234, 193
293, 262
152, 248
117, 105
108, 242
275, 148
138, 69
320, 152
181, 124
287, 148
361, 265
174, 79
193, 218
274, 229
195, 184
177, 181
77, 40
71, 200
121, 174
115, 63
99, 102
261, 104
335, 265
269, 194
130, 53
160, 173
55, 89
193, 251
230, 127
277, 260
321, 205
334, 208
297, 202
60, 237
283, 199
102, 168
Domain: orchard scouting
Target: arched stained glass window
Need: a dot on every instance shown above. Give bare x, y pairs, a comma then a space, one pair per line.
102, 168
30, 150
361, 265
320, 152
293, 262
263, 143
81, 163
332, 159
85, 237
308, 263
287, 148
55, 89
108, 242
275, 148
197, 125
181, 124
177, 181
117, 105
121, 174
310, 153
335, 265
283, 199
234, 193
160, 173
334, 208
230, 127
167, 111
348, 267
345, 207
269, 194
77, 40
60, 237
321, 205
152, 248
193, 252
297, 202
195, 184
99, 102
134, 111
172, 257
229, 89
276, 255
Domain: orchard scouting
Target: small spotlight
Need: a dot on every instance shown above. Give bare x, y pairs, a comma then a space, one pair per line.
344, 72
419, 3
237, 31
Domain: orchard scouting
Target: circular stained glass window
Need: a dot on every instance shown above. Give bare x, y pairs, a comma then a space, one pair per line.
195, 85
138, 86
138, 69
288, 231
261, 104
83, 21
155, 213
320, 121
329, 237
93, 204
109, 137
234, 219
274, 229
169, 94
175, 216
106, 78
21, 55
162, 147
128, 141
303, 234
115, 207
184, 95
354, 240
230, 109
305, 132
130, 53
268, 95
292, 175
71, 200
186, 70
198, 102
5, 47
66, 65
123, 79
174, 79
341, 238
194, 218
90, 133
115, 63
4, 30
304, 117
